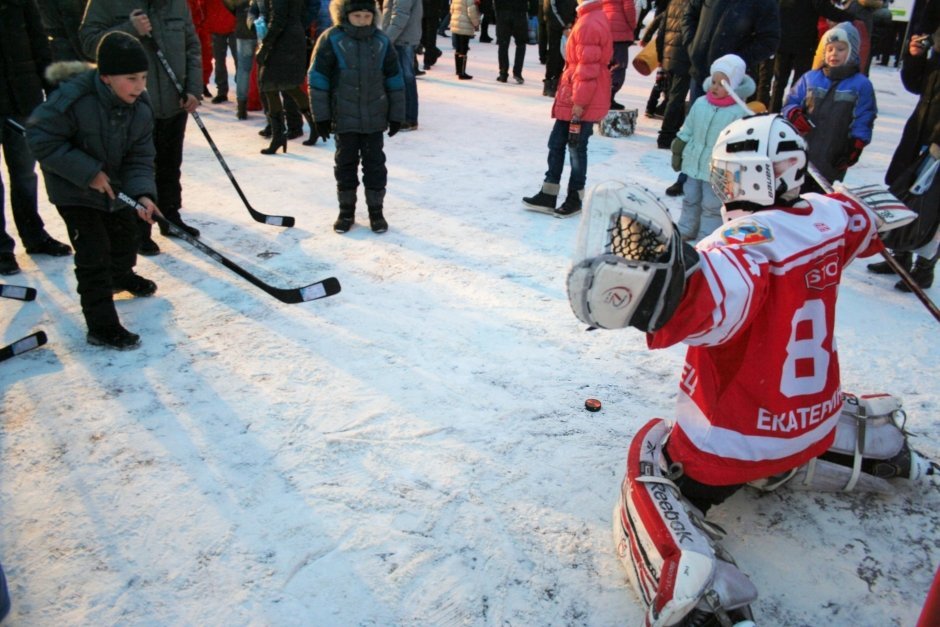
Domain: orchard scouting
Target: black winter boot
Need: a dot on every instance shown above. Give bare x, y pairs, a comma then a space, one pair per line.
278, 135
347, 210
312, 140
375, 198
572, 204
922, 274
549, 87
133, 283
116, 337
241, 111
545, 200
460, 62
882, 267
173, 215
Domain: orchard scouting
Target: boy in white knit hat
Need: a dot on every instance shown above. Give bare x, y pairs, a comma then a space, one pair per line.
692, 147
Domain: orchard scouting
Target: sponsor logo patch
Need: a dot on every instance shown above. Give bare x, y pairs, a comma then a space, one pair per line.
618, 297
746, 234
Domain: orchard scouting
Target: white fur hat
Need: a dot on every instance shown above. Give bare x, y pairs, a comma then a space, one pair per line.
732, 66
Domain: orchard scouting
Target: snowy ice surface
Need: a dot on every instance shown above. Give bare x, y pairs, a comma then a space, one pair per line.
413, 450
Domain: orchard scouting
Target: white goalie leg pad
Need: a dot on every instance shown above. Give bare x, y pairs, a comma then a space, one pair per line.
872, 446
669, 559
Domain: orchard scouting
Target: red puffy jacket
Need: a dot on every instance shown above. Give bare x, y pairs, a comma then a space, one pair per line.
586, 79
219, 20
622, 17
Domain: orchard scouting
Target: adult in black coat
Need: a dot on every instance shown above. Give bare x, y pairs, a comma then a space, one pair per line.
920, 73
24, 56
559, 17
61, 19
714, 28
282, 60
675, 61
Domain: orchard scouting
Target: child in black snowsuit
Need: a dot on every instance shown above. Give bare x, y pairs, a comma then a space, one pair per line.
93, 138
357, 92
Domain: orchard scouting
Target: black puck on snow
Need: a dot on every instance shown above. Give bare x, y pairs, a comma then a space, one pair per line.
592, 404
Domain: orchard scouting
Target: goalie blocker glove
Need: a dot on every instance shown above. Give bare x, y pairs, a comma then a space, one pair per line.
630, 266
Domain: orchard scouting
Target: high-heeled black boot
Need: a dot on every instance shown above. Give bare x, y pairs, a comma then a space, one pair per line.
278, 135
312, 140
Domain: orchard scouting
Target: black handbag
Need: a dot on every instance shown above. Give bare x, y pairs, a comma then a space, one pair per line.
921, 194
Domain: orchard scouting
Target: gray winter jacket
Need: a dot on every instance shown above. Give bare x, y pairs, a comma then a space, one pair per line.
173, 32
83, 129
401, 21
355, 80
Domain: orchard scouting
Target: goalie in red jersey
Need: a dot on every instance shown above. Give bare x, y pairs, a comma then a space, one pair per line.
759, 399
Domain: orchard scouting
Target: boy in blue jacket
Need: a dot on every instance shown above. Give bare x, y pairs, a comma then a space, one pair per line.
834, 106
357, 92
93, 138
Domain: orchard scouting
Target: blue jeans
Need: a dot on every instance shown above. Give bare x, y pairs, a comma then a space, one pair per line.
701, 210
21, 168
406, 61
558, 145
246, 56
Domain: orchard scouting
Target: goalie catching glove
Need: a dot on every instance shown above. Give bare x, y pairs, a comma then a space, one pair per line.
630, 265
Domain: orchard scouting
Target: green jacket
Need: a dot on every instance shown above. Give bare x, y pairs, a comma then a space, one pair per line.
173, 32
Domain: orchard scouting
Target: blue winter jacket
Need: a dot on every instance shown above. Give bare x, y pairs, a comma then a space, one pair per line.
841, 109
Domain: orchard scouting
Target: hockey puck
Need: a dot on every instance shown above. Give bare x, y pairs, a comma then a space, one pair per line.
592, 404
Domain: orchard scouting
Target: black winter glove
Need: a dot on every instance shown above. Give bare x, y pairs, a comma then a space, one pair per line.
852, 155
393, 127
323, 129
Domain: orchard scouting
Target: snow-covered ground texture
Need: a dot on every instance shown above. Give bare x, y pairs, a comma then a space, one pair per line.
415, 449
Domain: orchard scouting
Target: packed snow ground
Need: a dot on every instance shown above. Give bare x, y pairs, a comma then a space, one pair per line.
413, 450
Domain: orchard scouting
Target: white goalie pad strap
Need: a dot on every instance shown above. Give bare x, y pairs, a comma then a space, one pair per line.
869, 427
668, 558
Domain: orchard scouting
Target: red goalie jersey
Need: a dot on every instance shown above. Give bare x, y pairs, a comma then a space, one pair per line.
760, 391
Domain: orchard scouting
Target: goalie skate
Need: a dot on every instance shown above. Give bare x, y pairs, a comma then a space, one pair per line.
870, 453
669, 551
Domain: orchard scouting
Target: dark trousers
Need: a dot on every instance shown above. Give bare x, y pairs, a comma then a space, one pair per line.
701, 495
674, 115
618, 67
21, 168
105, 249
461, 43
797, 62
554, 62
221, 44
511, 25
353, 148
168, 134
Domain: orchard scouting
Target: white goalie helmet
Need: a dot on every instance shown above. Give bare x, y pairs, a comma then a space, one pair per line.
758, 160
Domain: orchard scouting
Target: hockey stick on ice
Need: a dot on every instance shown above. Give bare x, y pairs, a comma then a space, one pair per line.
314, 291
257, 215
28, 343
17, 292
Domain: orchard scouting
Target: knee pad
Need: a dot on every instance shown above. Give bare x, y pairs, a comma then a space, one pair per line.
671, 554
870, 447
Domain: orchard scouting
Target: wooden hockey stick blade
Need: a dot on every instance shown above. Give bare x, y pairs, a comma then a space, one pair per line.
17, 292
